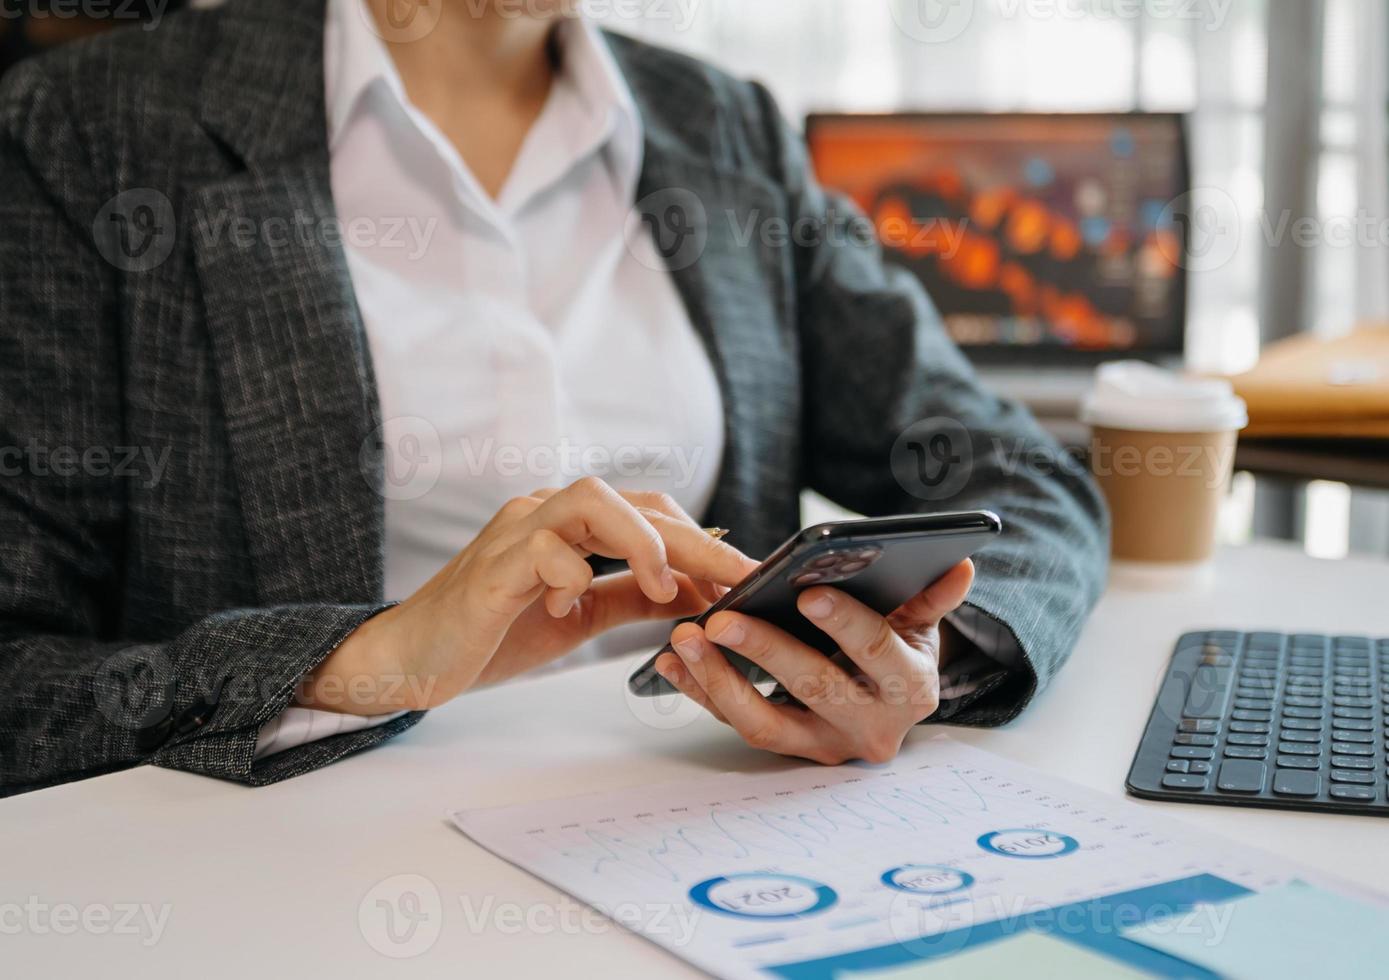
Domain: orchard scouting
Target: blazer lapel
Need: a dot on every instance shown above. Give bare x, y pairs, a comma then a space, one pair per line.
715, 226
287, 339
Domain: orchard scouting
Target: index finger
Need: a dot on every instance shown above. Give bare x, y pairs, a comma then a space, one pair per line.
691, 550
593, 515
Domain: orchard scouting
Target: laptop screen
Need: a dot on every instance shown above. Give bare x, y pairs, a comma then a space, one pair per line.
1033, 234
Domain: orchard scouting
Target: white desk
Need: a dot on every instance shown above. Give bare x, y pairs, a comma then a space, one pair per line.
269, 881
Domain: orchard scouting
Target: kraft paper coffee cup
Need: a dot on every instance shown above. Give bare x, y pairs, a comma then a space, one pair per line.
1162, 449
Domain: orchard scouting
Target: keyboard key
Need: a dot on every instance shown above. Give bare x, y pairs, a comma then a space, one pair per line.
1296, 702
1252, 727
1352, 762
1352, 776
1299, 762
1176, 781
1203, 725
1245, 752
1295, 736
1298, 748
1342, 735
1241, 715
1299, 691
1303, 713
1210, 688
1191, 752
1302, 724
1352, 702
1241, 738
1187, 738
1352, 712
1241, 776
1199, 768
1353, 725
1351, 748
1253, 704
1343, 792
1296, 782
1178, 765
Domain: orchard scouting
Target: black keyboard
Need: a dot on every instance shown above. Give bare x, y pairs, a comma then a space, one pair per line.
1289, 720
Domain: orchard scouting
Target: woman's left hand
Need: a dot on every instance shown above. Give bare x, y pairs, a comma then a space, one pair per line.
861, 709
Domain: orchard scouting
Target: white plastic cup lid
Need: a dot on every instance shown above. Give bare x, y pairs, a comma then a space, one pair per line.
1136, 395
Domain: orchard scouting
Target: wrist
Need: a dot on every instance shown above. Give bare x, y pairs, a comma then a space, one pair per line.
362, 675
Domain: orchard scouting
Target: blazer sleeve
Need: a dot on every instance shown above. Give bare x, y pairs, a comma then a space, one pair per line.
886, 392
76, 697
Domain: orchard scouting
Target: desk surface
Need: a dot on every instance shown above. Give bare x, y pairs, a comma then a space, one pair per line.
271, 880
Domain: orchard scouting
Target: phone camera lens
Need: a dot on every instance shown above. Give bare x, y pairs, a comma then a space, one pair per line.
834, 566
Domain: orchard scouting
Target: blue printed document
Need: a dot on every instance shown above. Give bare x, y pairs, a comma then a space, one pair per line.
827, 873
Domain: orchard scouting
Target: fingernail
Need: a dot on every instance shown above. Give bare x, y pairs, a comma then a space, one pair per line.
668, 581
670, 671
820, 606
730, 635
689, 649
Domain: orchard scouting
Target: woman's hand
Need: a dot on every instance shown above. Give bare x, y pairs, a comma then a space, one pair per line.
859, 705
522, 594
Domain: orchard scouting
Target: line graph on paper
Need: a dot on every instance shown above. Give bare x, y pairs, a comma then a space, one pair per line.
814, 862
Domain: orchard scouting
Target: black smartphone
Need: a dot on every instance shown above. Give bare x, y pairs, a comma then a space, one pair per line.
881, 561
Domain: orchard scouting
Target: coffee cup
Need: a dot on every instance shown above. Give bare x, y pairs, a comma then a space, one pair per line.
1162, 448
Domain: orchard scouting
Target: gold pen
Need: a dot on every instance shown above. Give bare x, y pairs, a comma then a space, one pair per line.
717, 533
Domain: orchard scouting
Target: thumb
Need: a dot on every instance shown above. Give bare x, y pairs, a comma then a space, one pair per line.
615, 600
942, 596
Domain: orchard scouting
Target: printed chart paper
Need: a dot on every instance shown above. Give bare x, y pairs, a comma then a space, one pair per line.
820, 872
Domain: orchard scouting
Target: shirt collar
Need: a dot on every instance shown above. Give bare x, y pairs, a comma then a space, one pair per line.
355, 59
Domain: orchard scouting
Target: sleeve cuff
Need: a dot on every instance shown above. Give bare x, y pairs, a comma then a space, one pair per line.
296, 726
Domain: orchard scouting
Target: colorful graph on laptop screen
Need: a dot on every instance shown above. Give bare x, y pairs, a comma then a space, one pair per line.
1060, 232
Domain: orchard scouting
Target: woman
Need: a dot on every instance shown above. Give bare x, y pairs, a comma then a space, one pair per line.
307, 306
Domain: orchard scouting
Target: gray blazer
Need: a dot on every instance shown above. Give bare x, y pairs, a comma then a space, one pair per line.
190, 509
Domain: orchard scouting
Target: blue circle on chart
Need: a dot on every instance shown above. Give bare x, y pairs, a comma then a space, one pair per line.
927, 879
1029, 844
763, 896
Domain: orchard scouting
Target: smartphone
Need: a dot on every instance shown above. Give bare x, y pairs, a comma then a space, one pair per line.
881, 561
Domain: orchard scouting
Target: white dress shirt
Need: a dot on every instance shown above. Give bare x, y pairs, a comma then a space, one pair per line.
519, 342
